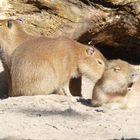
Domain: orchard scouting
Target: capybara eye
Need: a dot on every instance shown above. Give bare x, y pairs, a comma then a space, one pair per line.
100, 62
134, 75
9, 24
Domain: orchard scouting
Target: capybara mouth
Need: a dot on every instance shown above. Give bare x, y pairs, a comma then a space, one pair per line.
130, 86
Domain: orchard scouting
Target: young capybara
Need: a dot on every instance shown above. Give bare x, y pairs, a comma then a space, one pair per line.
114, 84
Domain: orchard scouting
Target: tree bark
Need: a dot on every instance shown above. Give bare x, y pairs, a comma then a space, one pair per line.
112, 25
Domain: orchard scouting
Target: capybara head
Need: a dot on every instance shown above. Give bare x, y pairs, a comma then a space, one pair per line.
9, 28
117, 78
93, 62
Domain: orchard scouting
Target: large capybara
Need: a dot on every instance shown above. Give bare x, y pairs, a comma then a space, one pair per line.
41, 65
11, 36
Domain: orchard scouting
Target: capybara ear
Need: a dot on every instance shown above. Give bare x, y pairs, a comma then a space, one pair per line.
116, 68
19, 20
9, 23
90, 50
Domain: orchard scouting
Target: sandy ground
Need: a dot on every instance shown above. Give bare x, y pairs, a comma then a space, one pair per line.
56, 117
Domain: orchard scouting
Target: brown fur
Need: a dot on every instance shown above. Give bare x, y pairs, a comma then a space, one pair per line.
43, 66
10, 39
114, 84
11, 36
132, 98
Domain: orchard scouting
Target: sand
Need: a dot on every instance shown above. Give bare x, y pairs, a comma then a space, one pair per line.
56, 117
